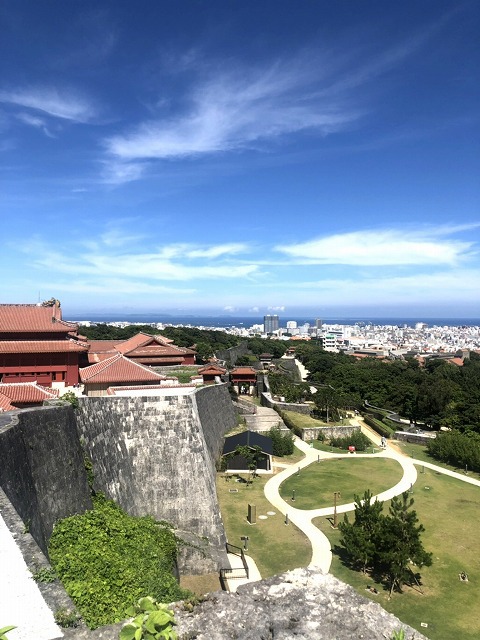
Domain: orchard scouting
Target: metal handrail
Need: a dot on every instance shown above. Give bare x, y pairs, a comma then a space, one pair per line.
237, 551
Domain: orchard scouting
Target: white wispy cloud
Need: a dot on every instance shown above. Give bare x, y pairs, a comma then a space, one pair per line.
178, 262
245, 108
36, 122
217, 250
380, 247
66, 104
112, 286
227, 112
116, 173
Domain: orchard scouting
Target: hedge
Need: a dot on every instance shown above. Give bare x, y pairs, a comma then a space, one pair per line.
378, 426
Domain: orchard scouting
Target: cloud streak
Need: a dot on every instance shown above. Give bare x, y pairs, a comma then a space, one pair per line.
178, 262
64, 104
234, 112
381, 247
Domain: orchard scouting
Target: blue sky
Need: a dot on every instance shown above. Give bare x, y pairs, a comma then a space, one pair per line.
241, 157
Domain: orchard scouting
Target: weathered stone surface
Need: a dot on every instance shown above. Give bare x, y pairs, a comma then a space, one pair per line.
156, 455
42, 471
303, 604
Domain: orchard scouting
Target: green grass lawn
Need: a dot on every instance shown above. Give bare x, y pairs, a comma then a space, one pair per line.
314, 485
274, 546
321, 446
449, 510
305, 422
420, 452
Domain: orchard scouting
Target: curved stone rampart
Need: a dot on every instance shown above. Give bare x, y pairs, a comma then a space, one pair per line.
156, 455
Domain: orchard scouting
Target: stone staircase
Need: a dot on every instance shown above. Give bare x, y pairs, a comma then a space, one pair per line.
263, 420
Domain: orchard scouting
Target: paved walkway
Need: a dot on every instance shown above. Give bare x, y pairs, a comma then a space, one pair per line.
236, 563
21, 602
302, 518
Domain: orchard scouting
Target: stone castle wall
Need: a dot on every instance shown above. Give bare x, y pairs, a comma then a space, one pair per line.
156, 455
153, 455
335, 431
42, 471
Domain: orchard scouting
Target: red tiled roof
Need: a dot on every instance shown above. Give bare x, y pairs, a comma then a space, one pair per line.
26, 392
244, 370
457, 361
138, 347
102, 349
141, 339
158, 362
27, 318
41, 346
211, 368
5, 404
118, 368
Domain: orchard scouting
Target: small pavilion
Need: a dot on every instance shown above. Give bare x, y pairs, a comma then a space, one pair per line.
249, 439
211, 373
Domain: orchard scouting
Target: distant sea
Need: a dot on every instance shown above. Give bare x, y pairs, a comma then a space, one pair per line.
248, 321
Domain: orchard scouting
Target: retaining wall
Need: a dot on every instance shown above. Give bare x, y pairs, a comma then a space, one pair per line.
156, 455
42, 471
329, 432
417, 438
267, 400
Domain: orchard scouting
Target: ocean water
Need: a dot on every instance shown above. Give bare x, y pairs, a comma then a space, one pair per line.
248, 321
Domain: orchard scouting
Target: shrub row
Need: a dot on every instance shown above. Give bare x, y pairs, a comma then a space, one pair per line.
282, 442
358, 440
378, 426
298, 431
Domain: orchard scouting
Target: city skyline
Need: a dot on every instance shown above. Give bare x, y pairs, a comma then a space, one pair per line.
250, 158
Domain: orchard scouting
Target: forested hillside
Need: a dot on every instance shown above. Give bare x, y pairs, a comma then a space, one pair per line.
441, 394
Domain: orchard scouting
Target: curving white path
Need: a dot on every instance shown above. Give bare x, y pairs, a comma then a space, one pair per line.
302, 518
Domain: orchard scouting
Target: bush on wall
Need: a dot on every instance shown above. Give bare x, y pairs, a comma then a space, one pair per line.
107, 560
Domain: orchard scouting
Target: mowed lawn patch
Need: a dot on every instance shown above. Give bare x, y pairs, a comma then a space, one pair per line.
449, 510
314, 485
420, 452
274, 546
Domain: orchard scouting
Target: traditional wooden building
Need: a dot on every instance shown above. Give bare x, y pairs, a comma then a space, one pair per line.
150, 350
117, 371
211, 373
253, 441
36, 345
243, 380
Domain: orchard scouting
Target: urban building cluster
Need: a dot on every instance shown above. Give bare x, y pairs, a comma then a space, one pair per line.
367, 339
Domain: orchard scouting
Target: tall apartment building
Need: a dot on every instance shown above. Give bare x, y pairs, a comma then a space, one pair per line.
270, 324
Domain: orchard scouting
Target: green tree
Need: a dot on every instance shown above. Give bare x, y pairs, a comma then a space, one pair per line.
400, 544
360, 538
282, 442
328, 401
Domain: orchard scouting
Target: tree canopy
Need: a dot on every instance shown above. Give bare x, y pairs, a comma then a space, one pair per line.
386, 545
439, 394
